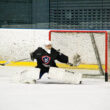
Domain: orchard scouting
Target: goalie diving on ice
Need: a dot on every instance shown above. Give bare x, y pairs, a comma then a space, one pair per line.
46, 70
46, 56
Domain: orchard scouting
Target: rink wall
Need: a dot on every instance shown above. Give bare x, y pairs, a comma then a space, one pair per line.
16, 44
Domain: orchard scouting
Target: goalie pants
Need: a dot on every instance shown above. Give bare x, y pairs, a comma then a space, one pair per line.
43, 71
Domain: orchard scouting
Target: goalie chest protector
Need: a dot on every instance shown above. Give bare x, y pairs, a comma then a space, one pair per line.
40, 54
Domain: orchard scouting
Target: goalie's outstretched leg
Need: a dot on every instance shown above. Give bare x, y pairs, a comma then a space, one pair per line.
65, 76
28, 76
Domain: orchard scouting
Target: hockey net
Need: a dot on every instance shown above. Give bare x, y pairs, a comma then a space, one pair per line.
92, 46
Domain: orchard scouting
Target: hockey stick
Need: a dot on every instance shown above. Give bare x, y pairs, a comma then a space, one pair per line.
8, 62
21, 60
3, 64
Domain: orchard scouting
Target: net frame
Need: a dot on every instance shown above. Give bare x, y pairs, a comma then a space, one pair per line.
90, 31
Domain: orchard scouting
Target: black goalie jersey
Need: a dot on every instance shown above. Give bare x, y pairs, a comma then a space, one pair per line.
46, 60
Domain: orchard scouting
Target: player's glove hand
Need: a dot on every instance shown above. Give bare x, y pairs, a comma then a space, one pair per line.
76, 60
32, 57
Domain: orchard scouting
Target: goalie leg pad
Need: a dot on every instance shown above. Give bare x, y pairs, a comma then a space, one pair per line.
65, 76
28, 76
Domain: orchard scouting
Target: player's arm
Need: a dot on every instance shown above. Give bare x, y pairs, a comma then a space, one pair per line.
36, 53
61, 57
65, 59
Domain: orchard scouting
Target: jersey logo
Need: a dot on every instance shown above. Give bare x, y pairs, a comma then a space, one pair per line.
46, 59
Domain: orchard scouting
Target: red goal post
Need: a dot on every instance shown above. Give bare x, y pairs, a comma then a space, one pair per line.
78, 31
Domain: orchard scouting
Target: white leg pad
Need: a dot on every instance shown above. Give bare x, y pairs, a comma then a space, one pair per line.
27, 76
65, 76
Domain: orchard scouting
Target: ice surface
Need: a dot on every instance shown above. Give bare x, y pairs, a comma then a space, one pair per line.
93, 94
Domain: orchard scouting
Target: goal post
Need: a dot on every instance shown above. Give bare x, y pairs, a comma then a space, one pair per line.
71, 42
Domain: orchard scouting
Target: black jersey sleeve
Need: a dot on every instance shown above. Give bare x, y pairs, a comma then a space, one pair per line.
61, 57
36, 53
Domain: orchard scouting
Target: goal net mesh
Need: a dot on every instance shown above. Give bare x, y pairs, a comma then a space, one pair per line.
79, 42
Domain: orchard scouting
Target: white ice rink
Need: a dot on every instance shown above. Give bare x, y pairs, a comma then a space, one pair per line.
93, 94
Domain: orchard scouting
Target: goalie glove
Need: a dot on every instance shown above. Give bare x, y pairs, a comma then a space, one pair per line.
32, 56
76, 60
70, 64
